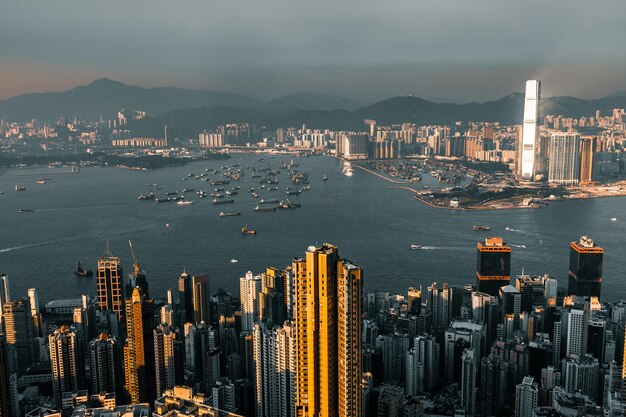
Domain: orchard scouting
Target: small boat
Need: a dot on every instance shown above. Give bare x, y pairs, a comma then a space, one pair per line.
480, 228
229, 213
216, 201
233, 261
613, 219
257, 208
188, 190
246, 231
416, 247
26, 210
18, 187
231, 192
201, 193
325, 178
217, 195
172, 193
167, 225
146, 197
81, 272
293, 192
184, 202
163, 200
41, 181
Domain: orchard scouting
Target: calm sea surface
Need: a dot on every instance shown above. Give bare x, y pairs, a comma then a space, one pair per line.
76, 214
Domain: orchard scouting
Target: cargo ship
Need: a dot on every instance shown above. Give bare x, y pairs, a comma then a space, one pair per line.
270, 201
216, 201
229, 213
481, 228
258, 208
286, 204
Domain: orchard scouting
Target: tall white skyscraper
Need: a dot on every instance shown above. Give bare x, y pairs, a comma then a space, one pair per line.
249, 289
414, 373
526, 397
4, 294
564, 167
530, 133
468, 381
550, 286
577, 328
275, 364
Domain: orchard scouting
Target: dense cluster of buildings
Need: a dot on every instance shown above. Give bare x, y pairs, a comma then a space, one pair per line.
553, 149
308, 340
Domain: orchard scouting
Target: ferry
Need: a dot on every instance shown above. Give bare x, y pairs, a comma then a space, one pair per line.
613, 219
233, 261
480, 228
23, 210
18, 187
41, 181
82, 272
416, 247
229, 213
258, 208
146, 197
216, 201
246, 231
184, 202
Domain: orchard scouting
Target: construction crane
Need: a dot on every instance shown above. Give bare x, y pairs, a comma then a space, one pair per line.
136, 267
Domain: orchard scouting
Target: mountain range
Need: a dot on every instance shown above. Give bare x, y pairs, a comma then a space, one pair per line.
188, 112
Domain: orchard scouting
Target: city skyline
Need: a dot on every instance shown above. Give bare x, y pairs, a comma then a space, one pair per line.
446, 50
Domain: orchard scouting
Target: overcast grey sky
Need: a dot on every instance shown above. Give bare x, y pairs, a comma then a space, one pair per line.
457, 50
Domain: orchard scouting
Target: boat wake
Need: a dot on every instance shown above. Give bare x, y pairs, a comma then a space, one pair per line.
72, 239
510, 229
29, 245
518, 246
458, 248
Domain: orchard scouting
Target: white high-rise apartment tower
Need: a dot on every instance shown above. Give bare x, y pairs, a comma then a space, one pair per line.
530, 133
249, 289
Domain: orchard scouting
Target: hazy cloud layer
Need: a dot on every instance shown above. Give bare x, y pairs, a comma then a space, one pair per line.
443, 49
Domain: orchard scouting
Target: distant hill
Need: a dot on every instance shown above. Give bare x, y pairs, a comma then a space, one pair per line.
188, 112
310, 101
507, 110
106, 97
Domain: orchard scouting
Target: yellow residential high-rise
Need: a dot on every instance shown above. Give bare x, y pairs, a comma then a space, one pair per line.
327, 310
139, 349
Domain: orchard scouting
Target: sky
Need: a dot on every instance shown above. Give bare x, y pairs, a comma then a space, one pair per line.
446, 50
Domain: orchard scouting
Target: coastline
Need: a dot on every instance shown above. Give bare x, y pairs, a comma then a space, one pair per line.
506, 203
